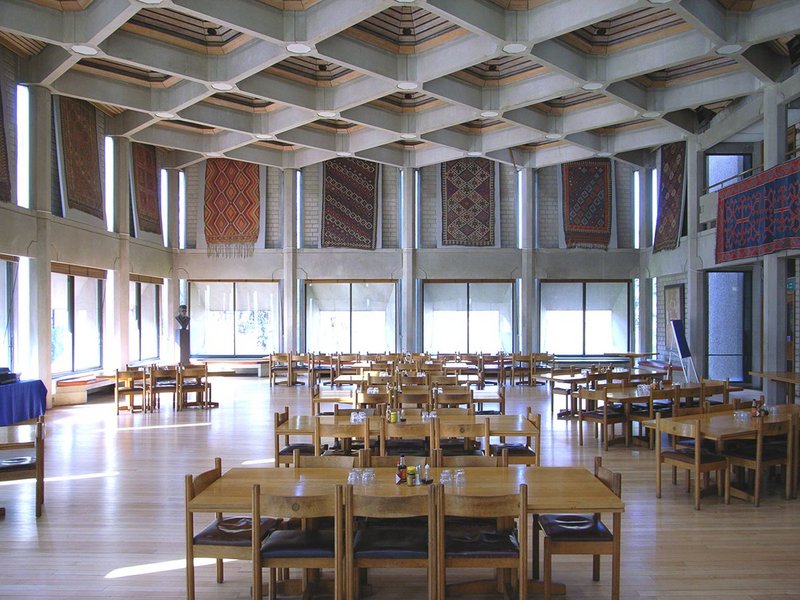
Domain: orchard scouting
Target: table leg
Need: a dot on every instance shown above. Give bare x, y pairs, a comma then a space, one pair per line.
615, 557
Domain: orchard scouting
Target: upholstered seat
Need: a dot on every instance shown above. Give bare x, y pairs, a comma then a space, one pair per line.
233, 531
392, 541
482, 544
299, 543
513, 449
305, 449
574, 528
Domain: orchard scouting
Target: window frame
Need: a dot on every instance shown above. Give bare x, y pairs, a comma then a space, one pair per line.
100, 291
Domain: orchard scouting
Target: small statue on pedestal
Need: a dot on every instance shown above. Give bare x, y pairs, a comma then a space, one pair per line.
183, 317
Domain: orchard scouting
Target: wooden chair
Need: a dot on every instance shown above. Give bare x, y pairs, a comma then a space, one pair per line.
325, 461
521, 453
696, 463
522, 368
453, 396
225, 537
603, 415
193, 379
436, 380
714, 391
128, 384
279, 368
460, 439
500, 550
774, 447
323, 366
301, 364
345, 432
306, 548
493, 369
659, 401
409, 439
283, 455
411, 380
22, 456
389, 545
413, 395
583, 534
319, 397
562, 389
162, 380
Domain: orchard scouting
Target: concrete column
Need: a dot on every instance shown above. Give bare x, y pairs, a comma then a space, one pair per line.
122, 270
695, 279
172, 287
645, 283
774, 277
527, 308
41, 185
289, 229
408, 305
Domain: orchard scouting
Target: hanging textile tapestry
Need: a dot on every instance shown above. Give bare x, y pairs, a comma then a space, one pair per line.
587, 203
145, 188
468, 202
670, 197
761, 214
232, 211
81, 158
5, 173
350, 204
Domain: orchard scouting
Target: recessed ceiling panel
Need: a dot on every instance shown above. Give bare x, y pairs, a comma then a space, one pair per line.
626, 30
406, 30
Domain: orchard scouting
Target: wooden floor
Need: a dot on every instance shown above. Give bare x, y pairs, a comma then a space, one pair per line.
113, 518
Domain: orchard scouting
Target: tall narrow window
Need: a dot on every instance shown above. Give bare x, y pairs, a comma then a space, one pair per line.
654, 316
729, 322
637, 207
6, 313
109, 182
653, 206
164, 203
181, 210
144, 320
23, 147
75, 322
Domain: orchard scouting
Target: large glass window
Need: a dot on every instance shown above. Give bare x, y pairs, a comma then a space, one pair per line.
351, 317
725, 169
729, 325
584, 317
143, 321
234, 318
75, 323
468, 316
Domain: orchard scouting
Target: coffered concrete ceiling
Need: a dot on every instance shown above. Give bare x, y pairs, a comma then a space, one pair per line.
288, 83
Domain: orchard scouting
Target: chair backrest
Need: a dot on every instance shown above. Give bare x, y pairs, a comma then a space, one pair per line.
500, 460
332, 462
375, 378
380, 506
452, 503
411, 380
435, 380
405, 431
414, 394
453, 429
304, 506
600, 395
128, 378
453, 396
683, 428
195, 484
714, 387
612, 480
709, 408
339, 429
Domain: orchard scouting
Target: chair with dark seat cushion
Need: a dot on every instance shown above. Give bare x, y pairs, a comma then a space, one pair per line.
22, 456
521, 453
225, 537
406, 540
408, 439
604, 415
461, 547
283, 454
581, 534
696, 463
461, 439
306, 548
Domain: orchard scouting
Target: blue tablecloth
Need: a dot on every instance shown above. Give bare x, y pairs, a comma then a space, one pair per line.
22, 401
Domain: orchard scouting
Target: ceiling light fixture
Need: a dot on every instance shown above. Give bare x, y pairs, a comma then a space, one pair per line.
729, 49
344, 153
84, 50
263, 136
651, 114
222, 86
660, 1
408, 136
404, 1
488, 114
603, 155
514, 48
163, 114
214, 154
150, 2
474, 153
326, 114
590, 86
298, 48
407, 85
553, 136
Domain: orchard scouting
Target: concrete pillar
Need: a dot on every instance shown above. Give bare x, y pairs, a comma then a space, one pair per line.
170, 330
408, 286
122, 270
289, 229
41, 185
695, 279
527, 308
645, 283
774, 282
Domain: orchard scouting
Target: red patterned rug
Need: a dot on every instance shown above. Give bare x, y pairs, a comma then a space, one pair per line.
232, 208
670, 197
468, 202
761, 214
81, 157
350, 204
587, 203
5, 173
145, 187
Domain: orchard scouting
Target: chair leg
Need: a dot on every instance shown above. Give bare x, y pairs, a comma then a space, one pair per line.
696, 490
220, 571
190, 577
658, 477
535, 546
757, 487
547, 568
272, 585
596, 567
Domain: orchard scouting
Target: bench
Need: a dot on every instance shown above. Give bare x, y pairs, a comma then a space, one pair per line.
236, 366
76, 390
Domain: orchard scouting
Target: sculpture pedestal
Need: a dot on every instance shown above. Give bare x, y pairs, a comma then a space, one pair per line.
182, 337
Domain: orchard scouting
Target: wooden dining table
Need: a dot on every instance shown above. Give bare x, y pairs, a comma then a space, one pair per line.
550, 490
788, 378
